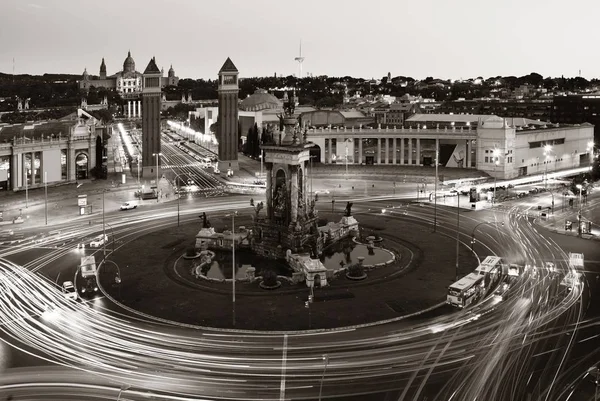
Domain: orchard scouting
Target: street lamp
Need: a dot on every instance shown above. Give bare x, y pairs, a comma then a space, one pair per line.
326, 362
473, 233
138, 169
580, 187
457, 232
547, 150
157, 155
590, 148
178, 196
437, 146
262, 158
26, 187
496, 154
103, 226
112, 231
46, 192
233, 261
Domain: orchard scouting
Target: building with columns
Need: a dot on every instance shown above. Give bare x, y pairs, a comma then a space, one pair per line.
64, 150
227, 131
127, 83
502, 147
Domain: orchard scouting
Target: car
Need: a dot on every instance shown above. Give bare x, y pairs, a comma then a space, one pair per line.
500, 292
128, 205
69, 290
18, 220
98, 241
6, 233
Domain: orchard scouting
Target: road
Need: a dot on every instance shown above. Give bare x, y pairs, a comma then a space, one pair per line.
497, 350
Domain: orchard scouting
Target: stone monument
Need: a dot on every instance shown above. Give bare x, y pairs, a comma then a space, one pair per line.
291, 219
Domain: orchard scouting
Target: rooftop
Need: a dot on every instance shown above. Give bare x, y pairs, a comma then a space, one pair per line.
34, 130
472, 119
228, 66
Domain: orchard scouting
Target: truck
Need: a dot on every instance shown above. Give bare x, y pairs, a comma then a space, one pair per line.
88, 273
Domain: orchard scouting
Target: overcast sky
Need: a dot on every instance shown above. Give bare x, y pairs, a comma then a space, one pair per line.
366, 38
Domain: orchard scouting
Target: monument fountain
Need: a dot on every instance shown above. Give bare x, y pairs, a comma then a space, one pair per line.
289, 227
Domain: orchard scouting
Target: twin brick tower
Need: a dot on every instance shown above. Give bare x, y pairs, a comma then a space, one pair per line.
227, 131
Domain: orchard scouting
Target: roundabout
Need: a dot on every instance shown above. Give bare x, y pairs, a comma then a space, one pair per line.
159, 280
156, 334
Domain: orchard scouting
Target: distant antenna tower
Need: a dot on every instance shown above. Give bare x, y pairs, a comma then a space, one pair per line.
300, 59
13, 77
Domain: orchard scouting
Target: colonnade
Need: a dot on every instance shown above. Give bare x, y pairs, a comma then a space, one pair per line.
405, 158
134, 109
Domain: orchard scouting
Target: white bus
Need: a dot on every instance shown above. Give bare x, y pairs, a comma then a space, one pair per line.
467, 290
492, 269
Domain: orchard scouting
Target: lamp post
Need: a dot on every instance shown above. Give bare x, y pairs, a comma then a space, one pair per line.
178, 196
262, 157
46, 193
112, 231
26, 187
346, 145
326, 362
547, 150
457, 232
496, 162
311, 176
437, 146
233, 262
157, 155
580, 187
138, 169
590, 148
474, 229
103, 227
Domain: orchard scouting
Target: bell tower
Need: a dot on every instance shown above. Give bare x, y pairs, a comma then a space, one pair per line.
102, 70
151, 100
227, 130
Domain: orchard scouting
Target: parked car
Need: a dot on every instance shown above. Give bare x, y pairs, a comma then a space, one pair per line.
18, 220
69, 290
128, 205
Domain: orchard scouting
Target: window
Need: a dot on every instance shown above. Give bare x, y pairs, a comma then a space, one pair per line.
487, 159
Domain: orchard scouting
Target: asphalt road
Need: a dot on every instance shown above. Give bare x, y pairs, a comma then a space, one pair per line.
538, 343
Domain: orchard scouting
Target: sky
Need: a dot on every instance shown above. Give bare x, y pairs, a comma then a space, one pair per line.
448, 39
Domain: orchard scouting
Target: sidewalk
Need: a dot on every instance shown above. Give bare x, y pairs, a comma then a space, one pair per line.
62, 201
557, 222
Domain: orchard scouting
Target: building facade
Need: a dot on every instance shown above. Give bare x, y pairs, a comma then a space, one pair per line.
62, 151
128, 83
489, 143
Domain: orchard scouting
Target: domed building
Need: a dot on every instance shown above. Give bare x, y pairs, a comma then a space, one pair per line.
261, 100
127, 82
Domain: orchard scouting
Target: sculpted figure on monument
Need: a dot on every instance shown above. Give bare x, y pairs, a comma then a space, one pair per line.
348, 211
280, 200
205, 221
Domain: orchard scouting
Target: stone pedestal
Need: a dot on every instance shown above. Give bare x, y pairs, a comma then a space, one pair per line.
206, 238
